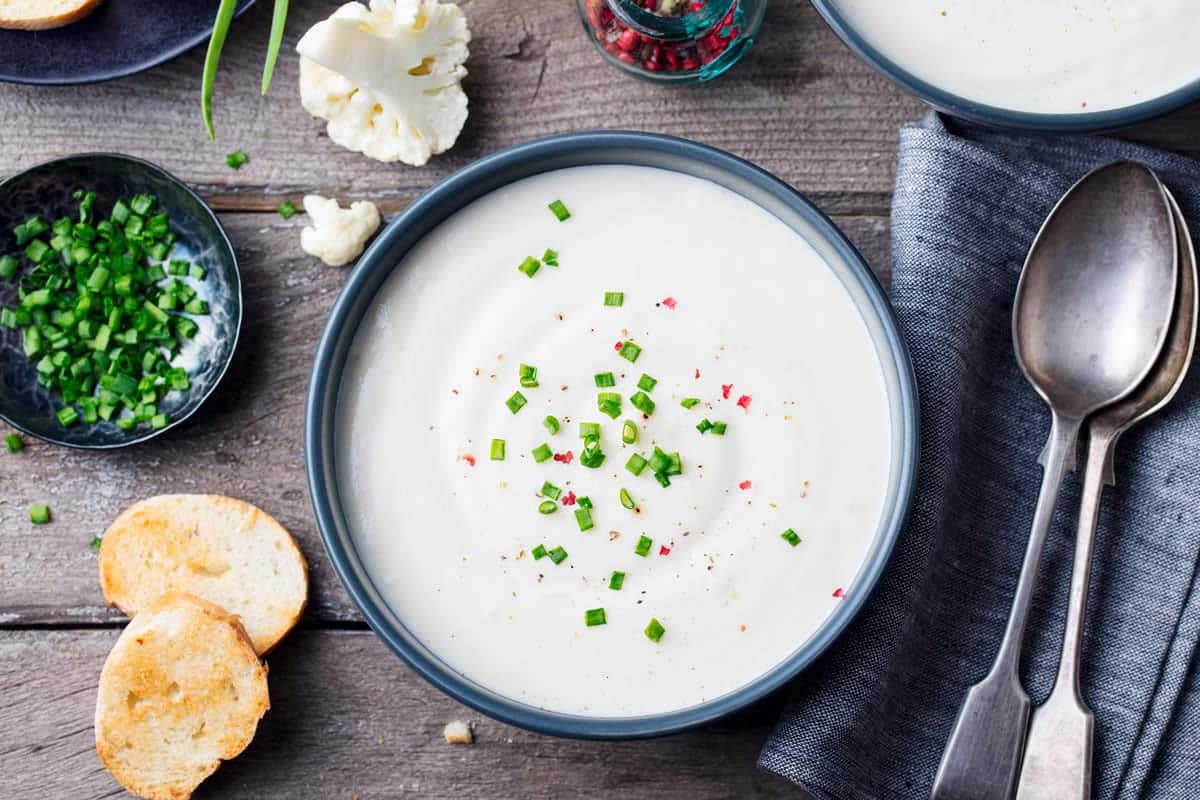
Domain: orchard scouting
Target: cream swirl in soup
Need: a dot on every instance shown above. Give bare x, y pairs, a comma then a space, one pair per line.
1047, 56
757, 529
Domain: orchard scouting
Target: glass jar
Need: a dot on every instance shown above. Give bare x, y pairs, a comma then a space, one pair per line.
672, 41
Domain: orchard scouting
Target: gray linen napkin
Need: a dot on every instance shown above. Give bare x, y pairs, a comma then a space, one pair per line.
870, 719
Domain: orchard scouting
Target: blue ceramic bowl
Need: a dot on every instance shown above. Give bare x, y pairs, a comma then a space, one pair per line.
493, 172
1002, 117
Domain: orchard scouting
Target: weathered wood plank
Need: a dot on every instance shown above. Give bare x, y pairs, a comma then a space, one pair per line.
375, 731
246, 442
801, 105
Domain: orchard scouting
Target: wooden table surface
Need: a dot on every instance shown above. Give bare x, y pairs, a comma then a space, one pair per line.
348, 718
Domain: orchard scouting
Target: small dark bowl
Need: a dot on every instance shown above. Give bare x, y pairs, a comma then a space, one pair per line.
46, 190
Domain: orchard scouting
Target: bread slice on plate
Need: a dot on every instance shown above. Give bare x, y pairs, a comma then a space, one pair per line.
220, 549
181, 691
36, 15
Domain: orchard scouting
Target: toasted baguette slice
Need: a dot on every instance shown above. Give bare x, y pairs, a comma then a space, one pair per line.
37, 15
181, 691
217, 548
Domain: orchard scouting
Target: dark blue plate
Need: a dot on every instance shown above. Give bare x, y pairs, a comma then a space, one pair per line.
1002, 117
119, 38
46, 190
522, 161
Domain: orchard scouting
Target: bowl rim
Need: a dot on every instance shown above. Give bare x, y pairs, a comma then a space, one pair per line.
148, 63
322, 398
996, 116
147, 166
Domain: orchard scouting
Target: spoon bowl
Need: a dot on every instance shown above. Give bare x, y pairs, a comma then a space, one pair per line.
1096, 296
1164, 381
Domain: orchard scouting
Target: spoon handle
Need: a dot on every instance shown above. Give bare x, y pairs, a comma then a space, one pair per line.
1058, 753
984, 750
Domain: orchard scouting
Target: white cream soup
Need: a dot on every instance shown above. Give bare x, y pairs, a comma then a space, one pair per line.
448, 534
1049, 56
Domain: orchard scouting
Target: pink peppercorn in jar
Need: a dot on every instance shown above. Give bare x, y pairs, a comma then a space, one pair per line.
679, 41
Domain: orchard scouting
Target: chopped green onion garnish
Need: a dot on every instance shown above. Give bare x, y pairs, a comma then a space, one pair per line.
542, 453
614, 298
547, 507
609, 403
530, 266
704, 425
39, 514
629, 432
551, 491
644, 544
528, 376
594, 616
604, 380
592, 456
539, 552
287, 210
236, 159
584, 502
13, 443
551, 424
616, 581
635, 464
642, 402
627, 500
584, 517
718, 428
791, 537
550, 258
498, 449
589, 431
516, 402
95, 544
662, 479
630, 351
94, 310
655, 630
560, 210
646, 383
558, 555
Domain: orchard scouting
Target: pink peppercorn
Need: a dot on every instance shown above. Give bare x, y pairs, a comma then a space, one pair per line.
644, 34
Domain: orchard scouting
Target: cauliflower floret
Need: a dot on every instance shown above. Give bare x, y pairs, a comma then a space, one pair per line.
387, 78
337, 235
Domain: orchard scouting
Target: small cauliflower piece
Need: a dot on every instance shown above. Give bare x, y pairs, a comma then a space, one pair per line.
387, 77
459, 732
337, 235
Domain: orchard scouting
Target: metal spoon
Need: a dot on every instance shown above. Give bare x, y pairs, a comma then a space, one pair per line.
1093, 305
1058, 752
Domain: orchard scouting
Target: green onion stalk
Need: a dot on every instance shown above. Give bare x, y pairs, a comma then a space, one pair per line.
216, 44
